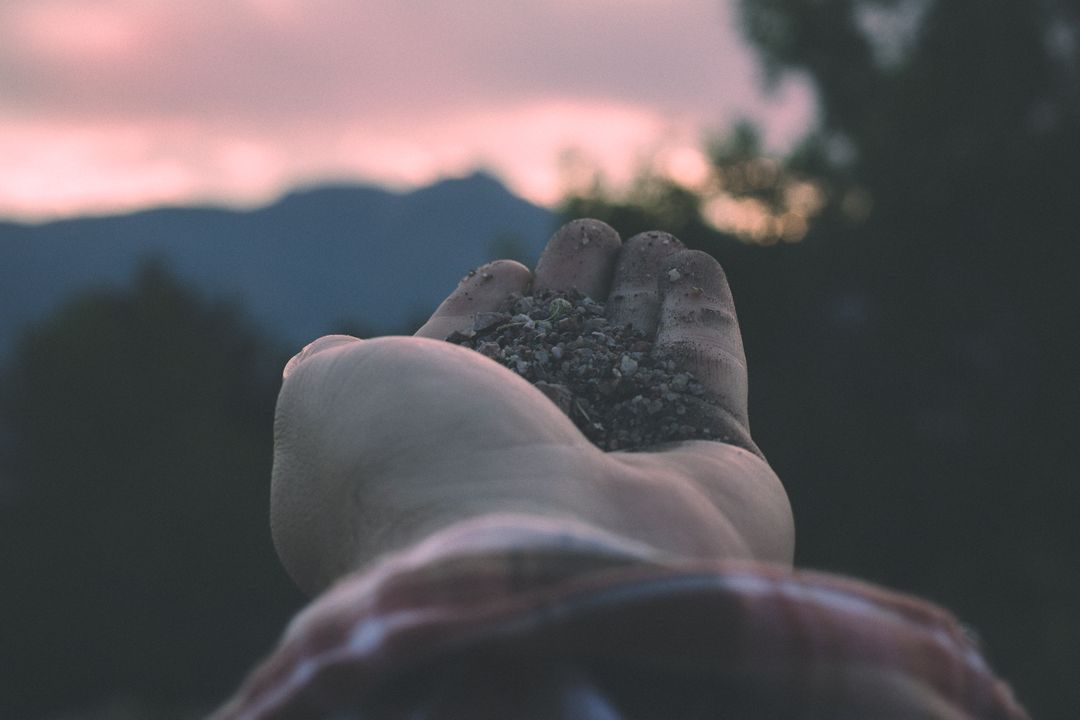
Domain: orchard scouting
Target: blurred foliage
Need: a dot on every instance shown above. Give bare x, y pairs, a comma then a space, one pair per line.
746, 194
913, 355
133, 537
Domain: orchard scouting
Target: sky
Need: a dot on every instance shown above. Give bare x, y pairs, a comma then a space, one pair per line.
112, 105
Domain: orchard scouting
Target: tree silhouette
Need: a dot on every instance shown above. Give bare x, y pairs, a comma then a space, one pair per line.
134, 544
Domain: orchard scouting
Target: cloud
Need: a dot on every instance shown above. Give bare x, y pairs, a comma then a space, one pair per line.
262, 93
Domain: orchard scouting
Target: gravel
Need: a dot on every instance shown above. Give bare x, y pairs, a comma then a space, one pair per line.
606, 378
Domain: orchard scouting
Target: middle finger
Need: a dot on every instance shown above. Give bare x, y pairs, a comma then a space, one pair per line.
580, 256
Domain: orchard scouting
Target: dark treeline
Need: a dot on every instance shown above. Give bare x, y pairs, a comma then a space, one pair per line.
139, 574
913, 360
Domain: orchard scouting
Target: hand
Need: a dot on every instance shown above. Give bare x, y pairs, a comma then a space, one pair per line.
380, 443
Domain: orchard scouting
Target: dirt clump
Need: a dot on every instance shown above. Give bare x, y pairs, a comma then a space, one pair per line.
619, 392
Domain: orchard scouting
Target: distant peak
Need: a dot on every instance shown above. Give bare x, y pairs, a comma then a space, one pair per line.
479, 182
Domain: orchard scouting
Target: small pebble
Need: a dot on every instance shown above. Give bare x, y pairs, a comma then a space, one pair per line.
486, 320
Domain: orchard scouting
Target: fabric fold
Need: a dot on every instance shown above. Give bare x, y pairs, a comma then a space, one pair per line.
528, 617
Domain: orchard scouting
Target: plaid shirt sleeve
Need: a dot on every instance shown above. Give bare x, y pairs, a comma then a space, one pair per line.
550, 623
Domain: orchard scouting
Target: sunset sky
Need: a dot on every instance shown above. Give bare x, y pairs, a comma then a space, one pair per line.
109, 105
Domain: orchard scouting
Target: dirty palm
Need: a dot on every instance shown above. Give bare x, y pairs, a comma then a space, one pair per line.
416, 409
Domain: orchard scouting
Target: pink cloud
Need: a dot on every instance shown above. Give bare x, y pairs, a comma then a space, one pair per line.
70, 33
244, 97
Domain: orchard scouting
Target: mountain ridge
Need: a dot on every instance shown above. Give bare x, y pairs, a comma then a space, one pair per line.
316, 258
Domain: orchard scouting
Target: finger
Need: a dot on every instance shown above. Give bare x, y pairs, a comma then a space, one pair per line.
313, 348
699, 328
482, 290
635, 290
580, 255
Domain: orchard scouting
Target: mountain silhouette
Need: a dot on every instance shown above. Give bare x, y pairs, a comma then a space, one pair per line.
317, 259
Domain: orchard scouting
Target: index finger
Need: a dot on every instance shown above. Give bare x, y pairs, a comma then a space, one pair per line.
483, 290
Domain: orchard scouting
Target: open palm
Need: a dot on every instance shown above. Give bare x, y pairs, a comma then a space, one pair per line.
382, 442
